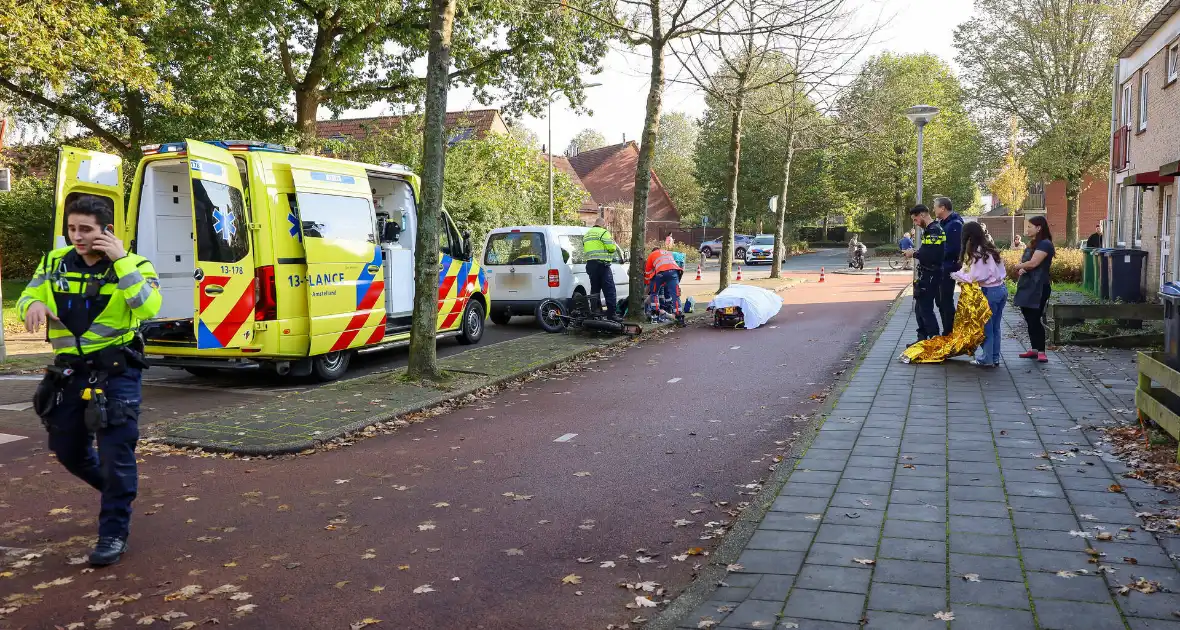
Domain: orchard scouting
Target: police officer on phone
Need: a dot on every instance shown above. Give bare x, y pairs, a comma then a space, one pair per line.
91, 296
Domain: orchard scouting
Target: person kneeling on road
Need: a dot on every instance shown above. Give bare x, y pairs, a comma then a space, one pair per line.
662, 275
92, 296
599, 249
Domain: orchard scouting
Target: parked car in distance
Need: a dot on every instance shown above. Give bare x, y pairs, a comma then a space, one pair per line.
530, 265
741, 242
761, 250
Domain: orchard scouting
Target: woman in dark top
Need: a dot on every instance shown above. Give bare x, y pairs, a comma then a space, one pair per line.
1033, 285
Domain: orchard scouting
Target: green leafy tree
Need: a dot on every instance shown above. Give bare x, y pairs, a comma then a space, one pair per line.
523, 135
585, 140
674, 163
344, 54
879, 170
1049, 64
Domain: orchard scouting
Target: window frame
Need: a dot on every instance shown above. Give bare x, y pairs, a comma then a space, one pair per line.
534, 237
1137, 217
1172, 62
1144, 90
1125, 109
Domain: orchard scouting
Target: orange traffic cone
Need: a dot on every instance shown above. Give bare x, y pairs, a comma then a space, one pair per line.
698, 271
821, 274
739, 276
878, 279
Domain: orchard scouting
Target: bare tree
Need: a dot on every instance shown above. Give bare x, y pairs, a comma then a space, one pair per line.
819, 53
423, 352
747, 52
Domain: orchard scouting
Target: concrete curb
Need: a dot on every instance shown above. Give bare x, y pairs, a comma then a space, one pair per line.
443, 397
744, 527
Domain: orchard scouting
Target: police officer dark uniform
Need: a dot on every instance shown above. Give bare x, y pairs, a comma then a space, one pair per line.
599, 248
92, 296
930, 256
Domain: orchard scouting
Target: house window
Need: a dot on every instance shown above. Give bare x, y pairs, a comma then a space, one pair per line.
1125, 110
1137, 226
1143, 83
1173, 61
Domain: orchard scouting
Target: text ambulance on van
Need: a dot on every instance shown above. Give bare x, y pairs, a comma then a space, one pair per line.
271, 258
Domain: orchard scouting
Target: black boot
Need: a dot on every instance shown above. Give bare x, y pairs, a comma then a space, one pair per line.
108, 551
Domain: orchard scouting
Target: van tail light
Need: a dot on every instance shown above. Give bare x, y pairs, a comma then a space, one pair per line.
266, 303
554, 278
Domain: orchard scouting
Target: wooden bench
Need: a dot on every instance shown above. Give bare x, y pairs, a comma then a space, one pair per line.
1065, 312
1151, 401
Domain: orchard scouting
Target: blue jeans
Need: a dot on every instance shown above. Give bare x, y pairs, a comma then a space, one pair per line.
997, 297
668, 283
112, 470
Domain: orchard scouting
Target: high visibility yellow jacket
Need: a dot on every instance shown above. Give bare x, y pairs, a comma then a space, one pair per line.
598, 244
130, 289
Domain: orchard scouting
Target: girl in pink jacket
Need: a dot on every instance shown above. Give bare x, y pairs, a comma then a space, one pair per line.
982, 265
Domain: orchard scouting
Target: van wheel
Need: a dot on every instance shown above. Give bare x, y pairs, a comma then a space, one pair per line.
330, 366
472, 326
549, 316
501, 318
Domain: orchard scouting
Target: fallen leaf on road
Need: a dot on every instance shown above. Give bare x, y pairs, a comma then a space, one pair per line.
283, 508
425, 525
230, 564
97, 606
681, 522
585, 560
425, 588
582, 474
911, 466
971, 577
92, 594
403, 567
813, 517
1066, 574
342, 481
364, 623
442, 504
644, 602
240, 597
706, 622
1105, 536
1080, 534
244, 609
187, 625
107, 620
571, 579
681, 558
1089, 517
377, 589
734, 567
544, 522
1143, 585
172, 614
864, 561
145, 620
342, 583
1114, 487
368, 556
223, 589
60, 510
695, 551
514, 552
608, 564
191, 499
790, 624
58, 582
944, 616
184, 593
644, 559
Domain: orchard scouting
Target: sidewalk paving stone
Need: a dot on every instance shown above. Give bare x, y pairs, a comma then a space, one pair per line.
936, 472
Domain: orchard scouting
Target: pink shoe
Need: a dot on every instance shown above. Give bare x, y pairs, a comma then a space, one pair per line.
1041, 358
1031, 354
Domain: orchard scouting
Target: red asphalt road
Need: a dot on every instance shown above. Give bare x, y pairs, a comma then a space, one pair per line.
427, 504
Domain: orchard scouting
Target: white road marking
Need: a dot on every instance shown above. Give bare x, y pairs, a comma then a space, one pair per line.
567, 437
734, 347
674, 380
16, 406
6, 438
19, 377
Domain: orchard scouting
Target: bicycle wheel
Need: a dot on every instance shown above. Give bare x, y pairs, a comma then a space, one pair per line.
896, 262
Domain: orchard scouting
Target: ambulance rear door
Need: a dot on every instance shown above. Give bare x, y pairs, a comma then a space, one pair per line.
225, 287
86, 172
345, 283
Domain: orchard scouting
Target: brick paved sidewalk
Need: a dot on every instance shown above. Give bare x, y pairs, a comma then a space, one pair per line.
950, 493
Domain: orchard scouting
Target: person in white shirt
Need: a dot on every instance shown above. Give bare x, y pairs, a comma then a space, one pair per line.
982, 265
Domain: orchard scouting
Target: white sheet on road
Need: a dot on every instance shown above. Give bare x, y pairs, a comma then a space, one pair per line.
758, 305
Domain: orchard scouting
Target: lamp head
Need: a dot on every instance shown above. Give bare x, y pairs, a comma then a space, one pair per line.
921, 114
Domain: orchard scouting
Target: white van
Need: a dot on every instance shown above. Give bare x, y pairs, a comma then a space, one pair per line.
529, 264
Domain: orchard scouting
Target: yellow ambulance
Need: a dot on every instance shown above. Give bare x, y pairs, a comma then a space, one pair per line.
272, 259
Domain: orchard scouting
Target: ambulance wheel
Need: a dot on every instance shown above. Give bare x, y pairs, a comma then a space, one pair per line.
472, 330
501, 318
330, 366
549, 316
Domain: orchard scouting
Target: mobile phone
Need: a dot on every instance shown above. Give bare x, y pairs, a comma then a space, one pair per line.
106, 229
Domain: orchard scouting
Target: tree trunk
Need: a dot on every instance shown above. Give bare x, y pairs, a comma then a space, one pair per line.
135, 104
1073, 190
307, 106
780, 220
735, 164
423, 351
647, 150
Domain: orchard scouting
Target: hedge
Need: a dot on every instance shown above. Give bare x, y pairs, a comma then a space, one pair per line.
1067, 264
26, 225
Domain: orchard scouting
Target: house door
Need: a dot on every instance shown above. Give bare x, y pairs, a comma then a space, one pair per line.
1167, 229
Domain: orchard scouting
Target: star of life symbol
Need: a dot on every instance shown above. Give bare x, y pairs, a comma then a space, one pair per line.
294, 230
223, 224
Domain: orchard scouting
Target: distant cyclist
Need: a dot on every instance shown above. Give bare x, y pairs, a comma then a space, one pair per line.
906, 242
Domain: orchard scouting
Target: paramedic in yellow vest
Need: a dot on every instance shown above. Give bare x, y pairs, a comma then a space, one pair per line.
92, 296
599, 249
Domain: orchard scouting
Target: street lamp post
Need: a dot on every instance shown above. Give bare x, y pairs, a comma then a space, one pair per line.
549, 117
920, 115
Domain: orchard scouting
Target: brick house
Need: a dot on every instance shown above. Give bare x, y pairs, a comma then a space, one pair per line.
608, 173
1145, 158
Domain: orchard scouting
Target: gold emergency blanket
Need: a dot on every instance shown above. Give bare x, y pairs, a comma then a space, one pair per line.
971, 316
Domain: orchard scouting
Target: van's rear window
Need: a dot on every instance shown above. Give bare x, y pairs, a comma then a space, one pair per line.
515, 248
222, 228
